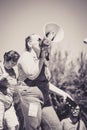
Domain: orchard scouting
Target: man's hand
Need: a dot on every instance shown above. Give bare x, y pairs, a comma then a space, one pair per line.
46, 42
46, 49
47, 73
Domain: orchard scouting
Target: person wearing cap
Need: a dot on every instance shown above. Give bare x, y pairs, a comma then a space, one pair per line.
73, 122
7, 71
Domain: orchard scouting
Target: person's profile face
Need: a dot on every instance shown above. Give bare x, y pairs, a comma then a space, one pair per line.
75, 111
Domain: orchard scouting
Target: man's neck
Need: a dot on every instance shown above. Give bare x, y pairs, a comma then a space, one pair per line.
74, 119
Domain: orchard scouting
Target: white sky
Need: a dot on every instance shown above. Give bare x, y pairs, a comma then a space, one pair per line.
19, 18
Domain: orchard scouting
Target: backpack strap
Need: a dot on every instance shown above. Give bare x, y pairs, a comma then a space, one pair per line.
78, 126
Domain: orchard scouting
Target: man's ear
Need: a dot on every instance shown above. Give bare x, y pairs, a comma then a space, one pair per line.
27, 43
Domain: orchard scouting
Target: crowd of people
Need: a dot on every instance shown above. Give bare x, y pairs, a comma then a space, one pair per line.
25, 101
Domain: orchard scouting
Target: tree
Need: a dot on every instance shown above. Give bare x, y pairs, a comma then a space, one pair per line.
66, 77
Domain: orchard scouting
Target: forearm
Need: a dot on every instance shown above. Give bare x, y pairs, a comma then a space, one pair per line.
58, 91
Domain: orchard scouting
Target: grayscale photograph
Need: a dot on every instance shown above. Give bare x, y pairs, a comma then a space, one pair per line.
43, 64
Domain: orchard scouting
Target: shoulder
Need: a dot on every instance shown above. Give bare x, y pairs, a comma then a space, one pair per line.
82, 125
65, 123
82, 122
65, 120
24, 56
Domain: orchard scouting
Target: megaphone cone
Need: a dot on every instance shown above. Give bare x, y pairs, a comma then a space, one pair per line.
57, 33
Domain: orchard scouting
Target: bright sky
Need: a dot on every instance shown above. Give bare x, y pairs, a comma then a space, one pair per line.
19, 18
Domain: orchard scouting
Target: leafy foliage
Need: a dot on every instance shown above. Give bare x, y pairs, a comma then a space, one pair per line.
71, 77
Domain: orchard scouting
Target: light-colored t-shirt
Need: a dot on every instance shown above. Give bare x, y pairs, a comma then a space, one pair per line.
28, 66
68, 125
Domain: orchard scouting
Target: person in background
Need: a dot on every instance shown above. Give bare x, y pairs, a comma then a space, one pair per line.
7, 71
21, 91
33, 71
7, 66
74, 121
8, 118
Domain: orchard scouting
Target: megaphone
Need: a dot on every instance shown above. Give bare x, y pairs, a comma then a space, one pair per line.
53, 32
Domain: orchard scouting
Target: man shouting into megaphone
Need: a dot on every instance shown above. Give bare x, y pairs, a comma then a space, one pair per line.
33, 70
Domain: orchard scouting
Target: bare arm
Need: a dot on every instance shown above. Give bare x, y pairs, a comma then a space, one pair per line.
58, 91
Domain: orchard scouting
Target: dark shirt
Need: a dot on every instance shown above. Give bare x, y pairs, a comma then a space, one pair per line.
43, 84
